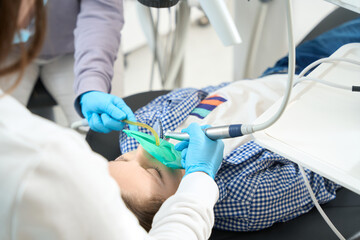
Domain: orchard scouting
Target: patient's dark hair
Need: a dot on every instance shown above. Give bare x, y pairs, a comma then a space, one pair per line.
144, 210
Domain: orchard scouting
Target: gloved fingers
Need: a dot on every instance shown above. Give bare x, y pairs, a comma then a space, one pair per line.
197, 135
114, 112
118, 115
219, 146
220, 143
111, 123
205, 126
92, 101
118, 102
193, 129
99, 103
202, 154
129, 115
97, 125
88, 115
183, 154
183, 163
181, 145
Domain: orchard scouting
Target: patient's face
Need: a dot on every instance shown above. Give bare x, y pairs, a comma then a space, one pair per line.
140, 175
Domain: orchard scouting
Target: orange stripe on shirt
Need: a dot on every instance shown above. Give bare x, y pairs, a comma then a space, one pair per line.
211, 102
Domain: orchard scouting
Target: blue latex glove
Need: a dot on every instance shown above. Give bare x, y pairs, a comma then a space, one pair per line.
200, 153
104, 112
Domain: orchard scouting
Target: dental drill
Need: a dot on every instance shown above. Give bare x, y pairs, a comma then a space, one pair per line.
214, 133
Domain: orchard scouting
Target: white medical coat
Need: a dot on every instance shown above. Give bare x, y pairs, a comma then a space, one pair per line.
52, 186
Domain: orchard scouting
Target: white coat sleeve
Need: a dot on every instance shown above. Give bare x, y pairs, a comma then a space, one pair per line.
70, 195
189, 213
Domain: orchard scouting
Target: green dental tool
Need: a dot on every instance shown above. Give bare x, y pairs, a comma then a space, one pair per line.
164, 152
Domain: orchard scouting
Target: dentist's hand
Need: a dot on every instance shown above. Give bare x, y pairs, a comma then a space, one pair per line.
200, 153
104, 111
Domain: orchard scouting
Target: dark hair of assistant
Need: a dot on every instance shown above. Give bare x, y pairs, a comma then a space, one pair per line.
9, 27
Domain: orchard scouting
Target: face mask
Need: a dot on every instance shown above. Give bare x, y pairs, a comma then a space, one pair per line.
24, 35
164, 153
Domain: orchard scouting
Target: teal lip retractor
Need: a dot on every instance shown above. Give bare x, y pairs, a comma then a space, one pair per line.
164, 153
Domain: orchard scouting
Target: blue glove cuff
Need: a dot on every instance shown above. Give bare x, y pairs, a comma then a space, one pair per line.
200, 168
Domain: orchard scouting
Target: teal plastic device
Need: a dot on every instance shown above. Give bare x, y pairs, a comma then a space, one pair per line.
164, 153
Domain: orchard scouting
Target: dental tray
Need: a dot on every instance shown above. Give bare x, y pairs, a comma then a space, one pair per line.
320, 128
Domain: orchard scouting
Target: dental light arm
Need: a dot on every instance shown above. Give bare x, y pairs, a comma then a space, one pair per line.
217, 12
353, 5
220, 18
159, 3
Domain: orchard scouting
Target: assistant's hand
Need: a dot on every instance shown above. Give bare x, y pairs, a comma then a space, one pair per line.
104, 111
200, 153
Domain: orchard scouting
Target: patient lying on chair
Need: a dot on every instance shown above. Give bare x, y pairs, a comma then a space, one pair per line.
257, 187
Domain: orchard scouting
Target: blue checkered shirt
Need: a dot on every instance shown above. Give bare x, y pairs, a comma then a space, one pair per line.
257, 187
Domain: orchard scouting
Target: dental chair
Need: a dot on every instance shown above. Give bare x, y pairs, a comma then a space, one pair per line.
344, 211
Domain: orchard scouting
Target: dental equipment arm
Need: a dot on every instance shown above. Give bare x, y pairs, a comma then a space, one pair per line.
220, 18
159, 3
353, 5
218, 14
237, 130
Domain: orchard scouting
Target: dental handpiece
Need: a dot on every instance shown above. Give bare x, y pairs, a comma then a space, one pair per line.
214, 133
